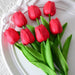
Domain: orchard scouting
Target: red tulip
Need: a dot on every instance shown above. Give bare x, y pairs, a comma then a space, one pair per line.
34, 12
11, 35
19, 19
55, 26
41, 33
49, 8
26, 36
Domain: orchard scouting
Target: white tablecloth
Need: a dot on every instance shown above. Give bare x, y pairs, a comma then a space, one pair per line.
5, 5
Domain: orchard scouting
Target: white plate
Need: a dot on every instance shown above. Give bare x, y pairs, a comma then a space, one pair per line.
15, 60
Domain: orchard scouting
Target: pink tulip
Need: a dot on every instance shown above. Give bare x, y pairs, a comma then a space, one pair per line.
55, 26
49, 8
26, 36
42, 33
12, 36
19, 19
34, 12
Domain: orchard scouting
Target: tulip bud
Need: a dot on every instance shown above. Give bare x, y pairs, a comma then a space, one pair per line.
34, 12
55, 26
26, 36
49, 8
11, 35
41, 33
19, 19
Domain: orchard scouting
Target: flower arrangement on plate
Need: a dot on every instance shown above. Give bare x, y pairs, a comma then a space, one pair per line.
41, 45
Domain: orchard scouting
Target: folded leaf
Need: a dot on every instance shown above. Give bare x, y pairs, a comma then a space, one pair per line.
43, 50
66, 47
48, 55
64, 27
44, 22
59, 59
38, 43
36, 46
31, 28
29, 56
37, 20
34, 61
36, 54
17, 45
44, 67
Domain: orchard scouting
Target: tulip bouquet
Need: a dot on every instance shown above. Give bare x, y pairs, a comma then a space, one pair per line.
41, 45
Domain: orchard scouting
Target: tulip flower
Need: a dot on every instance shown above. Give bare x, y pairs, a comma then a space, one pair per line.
11, 35
34, 12
55, 26
26, 36
41, 33
49, 8
19, 19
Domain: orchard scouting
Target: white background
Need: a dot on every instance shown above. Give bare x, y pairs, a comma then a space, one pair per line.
5, 5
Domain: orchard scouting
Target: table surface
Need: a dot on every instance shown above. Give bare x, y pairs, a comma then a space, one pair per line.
5, 5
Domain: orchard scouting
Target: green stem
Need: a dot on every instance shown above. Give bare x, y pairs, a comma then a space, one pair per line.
18, 32
37, 21
59, 42
23, 27
49, 17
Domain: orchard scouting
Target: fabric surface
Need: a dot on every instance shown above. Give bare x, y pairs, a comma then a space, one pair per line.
5, 5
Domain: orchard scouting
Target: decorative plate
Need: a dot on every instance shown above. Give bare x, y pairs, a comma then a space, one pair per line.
14, 59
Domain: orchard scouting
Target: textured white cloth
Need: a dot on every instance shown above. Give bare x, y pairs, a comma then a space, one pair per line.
5, 5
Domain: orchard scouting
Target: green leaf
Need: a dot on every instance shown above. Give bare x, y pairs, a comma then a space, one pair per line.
38, 43
29, 56
43, 50
34, 53
37, 21
64, 27
36, 46
48, 55
17, 45
31, 28
66, 46
59, 59
44, 22
45, 68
